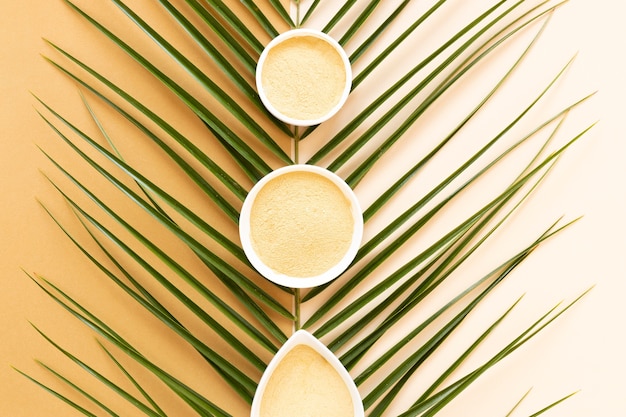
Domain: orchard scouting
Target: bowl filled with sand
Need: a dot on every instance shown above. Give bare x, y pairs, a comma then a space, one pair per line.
301, 226
303, 77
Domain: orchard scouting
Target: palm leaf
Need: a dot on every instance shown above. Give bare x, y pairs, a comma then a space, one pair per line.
205, 81
358, 52
193, 398
337, 17
198, 154
202, 289
227, 37
217, 126
394, 225
261, 18
455, 388
100, 377
549, 406
398, 376
369, 302
440, 267
234, 22
147, 396
146, 299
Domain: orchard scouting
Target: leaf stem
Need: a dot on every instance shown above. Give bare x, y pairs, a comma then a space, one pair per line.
298, 21
296, 144
297, 298
297, 302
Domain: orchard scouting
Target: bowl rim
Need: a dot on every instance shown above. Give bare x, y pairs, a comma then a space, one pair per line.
291, 281
296, 33
303, 337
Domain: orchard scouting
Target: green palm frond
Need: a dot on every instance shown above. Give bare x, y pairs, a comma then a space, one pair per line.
207, 281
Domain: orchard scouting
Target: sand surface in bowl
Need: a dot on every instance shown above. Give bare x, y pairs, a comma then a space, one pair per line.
304, 384
301, 224
303, 77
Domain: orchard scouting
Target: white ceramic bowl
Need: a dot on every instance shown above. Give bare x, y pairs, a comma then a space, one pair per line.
303, 33
302, 337
294, 281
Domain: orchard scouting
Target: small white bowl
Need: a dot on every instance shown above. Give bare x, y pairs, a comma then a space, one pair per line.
302, 337
303, 33
295, 281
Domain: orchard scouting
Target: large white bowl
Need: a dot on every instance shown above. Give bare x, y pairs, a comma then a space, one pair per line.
292, 281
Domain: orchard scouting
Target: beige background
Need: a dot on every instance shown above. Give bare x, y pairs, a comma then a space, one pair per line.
585, 350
